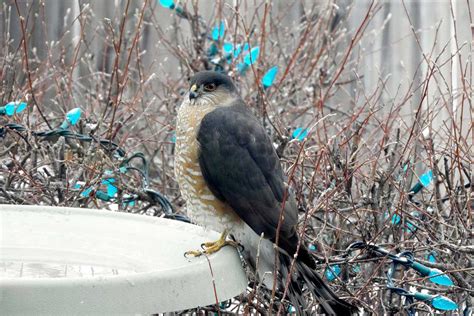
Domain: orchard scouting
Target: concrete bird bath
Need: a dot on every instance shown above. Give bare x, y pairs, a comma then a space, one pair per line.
57, 260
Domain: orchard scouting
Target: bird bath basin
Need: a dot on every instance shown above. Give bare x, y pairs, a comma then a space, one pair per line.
57, 260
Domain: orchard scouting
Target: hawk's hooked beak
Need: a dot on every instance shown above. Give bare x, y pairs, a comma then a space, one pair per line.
193, 92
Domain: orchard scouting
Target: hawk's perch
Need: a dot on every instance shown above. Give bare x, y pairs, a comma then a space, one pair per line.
232, 180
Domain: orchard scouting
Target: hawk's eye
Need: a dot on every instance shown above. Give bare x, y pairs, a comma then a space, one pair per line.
209, 87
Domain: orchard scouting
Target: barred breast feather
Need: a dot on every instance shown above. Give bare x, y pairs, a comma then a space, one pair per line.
202, 206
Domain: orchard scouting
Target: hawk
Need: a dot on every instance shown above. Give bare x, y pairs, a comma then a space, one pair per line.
232, 181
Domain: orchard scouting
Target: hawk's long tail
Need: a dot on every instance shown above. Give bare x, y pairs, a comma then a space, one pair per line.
329, 301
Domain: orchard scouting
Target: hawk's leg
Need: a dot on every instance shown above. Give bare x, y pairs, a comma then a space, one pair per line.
213, 246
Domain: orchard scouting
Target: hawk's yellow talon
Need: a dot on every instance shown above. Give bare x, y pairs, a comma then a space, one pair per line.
194, 253
208, 244
212, 246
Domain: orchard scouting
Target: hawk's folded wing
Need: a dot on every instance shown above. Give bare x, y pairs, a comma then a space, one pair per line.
241, 167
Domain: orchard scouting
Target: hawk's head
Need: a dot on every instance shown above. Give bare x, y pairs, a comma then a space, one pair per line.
212, 87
